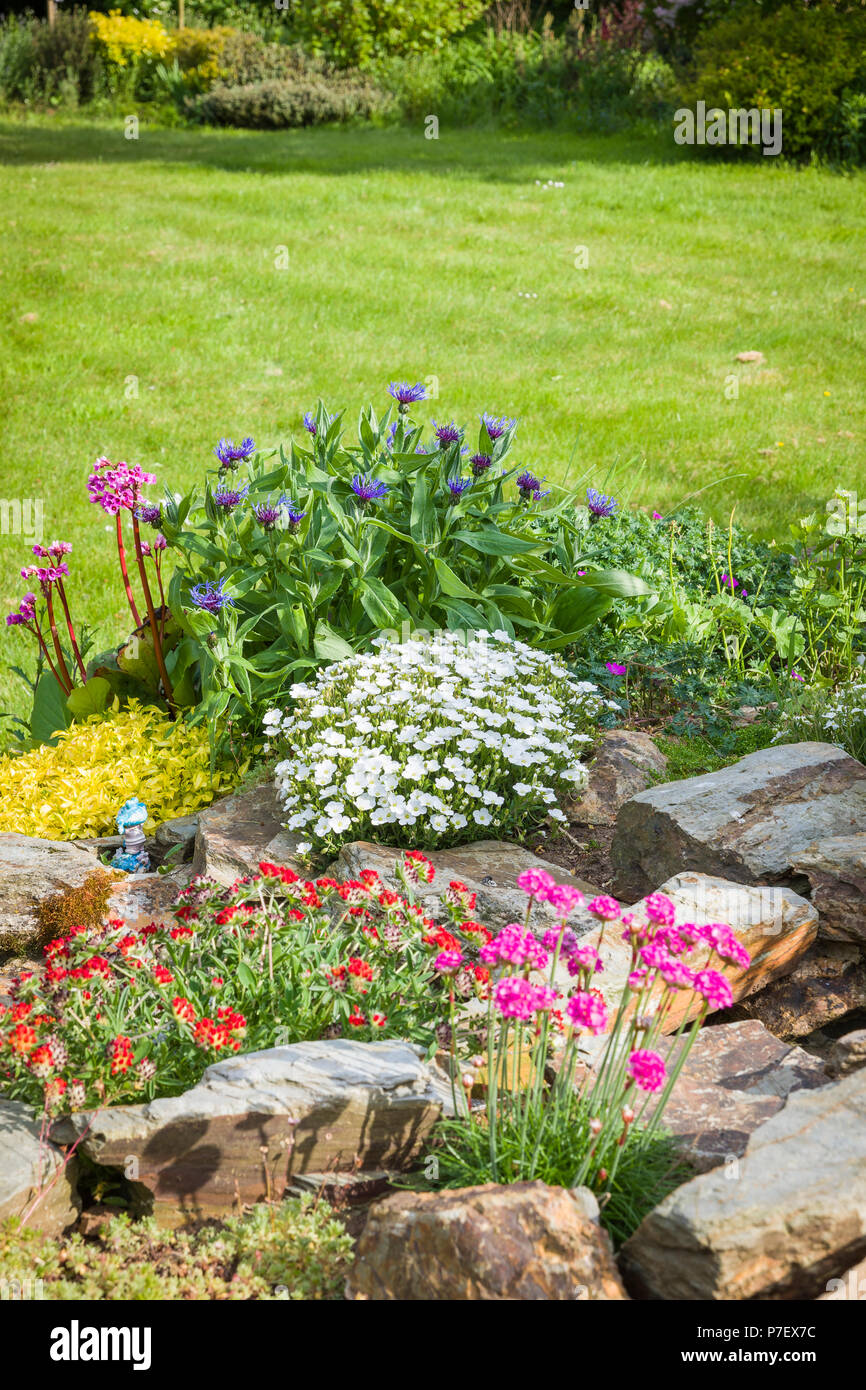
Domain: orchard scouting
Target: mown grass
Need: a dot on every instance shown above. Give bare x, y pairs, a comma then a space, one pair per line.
149, 266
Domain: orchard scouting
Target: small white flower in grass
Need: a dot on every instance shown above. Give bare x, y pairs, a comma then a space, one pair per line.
482, 817
522, 788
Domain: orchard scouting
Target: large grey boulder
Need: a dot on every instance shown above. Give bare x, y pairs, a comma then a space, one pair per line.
749, 822
836, 870
30, 1165
255, 1121
777, 1223
489, 868
514, 1242
235, 834
31, 870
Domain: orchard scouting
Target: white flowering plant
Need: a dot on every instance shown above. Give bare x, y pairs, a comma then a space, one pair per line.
450, 736
827, 716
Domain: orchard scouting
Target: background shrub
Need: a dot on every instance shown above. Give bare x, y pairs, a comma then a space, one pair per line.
355, 32
806, 62
277, 104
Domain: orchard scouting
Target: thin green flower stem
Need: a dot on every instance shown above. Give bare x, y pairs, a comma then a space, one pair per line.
673, 1076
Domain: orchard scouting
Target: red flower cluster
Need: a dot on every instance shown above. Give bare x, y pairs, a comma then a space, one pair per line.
417, 867
120, 1054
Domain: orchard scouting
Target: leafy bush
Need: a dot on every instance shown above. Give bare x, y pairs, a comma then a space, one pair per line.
827, 716
447, 736
41, 60
125, 39
292, 1250
246, 58
805, 62
353, 32
302, 561
118, 1015
76, 787
278, 104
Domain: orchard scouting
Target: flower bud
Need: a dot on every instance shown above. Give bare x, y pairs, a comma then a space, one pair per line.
595, 1126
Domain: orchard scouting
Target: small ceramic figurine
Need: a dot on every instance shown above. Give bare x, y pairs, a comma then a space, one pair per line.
132, 857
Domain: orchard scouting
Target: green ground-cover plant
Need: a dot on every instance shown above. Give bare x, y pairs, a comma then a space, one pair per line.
295, 1249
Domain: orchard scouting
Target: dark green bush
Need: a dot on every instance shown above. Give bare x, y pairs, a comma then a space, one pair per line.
811, 64
277, 104
356, 32
38, 60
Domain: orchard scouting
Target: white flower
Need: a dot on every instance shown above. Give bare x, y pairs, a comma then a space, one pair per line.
304, 846
557, 815
522, 788
482, 817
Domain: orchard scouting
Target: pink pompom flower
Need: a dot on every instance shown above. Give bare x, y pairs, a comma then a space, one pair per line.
535, 882
587, 1010
647, 1069
714, 988
605, 907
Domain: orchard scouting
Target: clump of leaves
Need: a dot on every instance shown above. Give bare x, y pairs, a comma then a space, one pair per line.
84, 906
296, 1249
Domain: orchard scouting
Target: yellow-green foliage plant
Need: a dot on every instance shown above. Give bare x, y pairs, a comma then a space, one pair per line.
76, 787
125, 40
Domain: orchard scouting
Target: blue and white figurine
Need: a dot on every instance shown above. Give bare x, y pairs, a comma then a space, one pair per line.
132, 857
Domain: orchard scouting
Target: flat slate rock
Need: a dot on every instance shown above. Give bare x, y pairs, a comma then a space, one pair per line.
256, 1121
826, 984
30, 871
30, 1164
749, 822
522, 1241
623, 766
836, 870
239, 831
790, 1218
489, 868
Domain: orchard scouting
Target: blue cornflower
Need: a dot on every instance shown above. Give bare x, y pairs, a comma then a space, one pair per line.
528, 484
310, 422
457, 487
406, 394
496, 426
269, 513
211, 596
538, 494
228, 498
389, 437
598, 504
447, 434
230, 455
294, 515
480, 464
150, 513
367, 489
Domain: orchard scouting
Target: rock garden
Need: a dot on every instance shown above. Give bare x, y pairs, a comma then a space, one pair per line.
453, 888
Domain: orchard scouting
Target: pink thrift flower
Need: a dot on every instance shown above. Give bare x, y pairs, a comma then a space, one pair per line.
587, 1010
605, 907
556, 935
647, 1069
677, 975
516, 947
448, 962
515, 997
637, 979
660, 909
535, 882
584, 958
714, 988
564, 898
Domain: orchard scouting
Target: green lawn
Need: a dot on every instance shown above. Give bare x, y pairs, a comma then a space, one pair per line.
153, 262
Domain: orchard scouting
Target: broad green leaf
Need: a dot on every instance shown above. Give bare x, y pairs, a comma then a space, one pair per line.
495, 542
50, 715
88, 699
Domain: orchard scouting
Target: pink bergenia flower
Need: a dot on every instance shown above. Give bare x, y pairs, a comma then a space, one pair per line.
516, 997
587, 1010
660, 909
448, 962
564, 899
117, 486
605, 907
714, 988
535, 882
647, 1069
